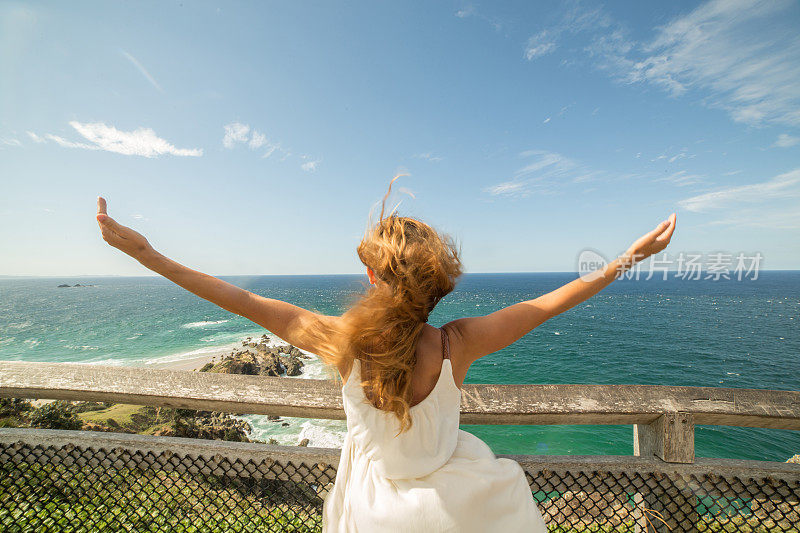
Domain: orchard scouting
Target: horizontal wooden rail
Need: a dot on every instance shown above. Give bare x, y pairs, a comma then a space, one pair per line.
481, 404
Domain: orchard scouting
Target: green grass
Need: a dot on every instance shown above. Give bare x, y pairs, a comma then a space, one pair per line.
121, 412
52, 498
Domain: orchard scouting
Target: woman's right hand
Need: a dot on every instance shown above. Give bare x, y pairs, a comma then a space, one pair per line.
120, 237
650, 243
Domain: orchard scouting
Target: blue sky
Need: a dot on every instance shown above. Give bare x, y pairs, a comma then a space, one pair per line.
253, 138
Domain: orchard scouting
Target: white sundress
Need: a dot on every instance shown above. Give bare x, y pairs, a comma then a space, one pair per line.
432, 477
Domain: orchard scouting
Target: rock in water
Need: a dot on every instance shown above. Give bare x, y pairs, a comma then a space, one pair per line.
292, 365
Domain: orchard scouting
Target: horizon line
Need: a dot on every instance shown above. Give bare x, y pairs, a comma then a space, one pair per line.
53, 276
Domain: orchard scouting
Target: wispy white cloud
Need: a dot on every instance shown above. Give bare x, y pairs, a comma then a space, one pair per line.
257, 140
428, 156
141, 141
508, 188
61, 141
465, 12
721, 53
143, 71
237, 133
674, 156
761, 218
683, 178
310, 166
721, 49
470, 11
780, 187
785, 140
9, 142
35, 138
573, 21
547, 173
539, 45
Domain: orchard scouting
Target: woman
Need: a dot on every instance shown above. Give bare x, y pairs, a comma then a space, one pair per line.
405, 465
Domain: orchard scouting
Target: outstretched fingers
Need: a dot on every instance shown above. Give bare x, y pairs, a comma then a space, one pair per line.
102, 211
666, 234
109, 228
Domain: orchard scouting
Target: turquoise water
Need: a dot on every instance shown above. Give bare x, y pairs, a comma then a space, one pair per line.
674, 332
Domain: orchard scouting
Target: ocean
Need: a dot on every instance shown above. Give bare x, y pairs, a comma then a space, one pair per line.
724, 333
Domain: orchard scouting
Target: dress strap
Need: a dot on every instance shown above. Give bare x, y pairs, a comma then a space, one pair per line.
445, 345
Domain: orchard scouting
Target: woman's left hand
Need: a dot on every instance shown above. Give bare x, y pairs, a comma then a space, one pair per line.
652, 242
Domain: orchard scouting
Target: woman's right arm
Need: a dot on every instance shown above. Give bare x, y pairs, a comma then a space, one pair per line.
474, 337
289, 322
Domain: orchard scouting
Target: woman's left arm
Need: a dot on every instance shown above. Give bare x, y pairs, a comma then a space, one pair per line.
285, 320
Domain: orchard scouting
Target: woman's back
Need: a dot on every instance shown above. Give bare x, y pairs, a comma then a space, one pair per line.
430, 477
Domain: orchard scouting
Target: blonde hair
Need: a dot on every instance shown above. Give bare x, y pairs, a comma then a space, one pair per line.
416, 267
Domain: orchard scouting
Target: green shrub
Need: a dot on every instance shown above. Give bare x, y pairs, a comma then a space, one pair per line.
56, 415
14, 406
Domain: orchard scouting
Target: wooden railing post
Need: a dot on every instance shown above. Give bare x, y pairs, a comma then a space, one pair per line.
670, 438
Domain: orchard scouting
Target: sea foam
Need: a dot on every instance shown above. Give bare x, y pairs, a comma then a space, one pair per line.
204, 324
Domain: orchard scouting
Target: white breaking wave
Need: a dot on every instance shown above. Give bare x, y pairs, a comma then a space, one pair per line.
204, 324
192, 354
324, 433
320, 433
82, 348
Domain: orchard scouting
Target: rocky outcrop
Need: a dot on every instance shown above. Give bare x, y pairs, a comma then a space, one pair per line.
292, 365
265, 360
256, 357
207, 425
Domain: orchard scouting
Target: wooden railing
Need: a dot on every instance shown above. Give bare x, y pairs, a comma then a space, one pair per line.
663, 416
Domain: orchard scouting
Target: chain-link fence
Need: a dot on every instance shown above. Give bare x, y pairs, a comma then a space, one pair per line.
122, 483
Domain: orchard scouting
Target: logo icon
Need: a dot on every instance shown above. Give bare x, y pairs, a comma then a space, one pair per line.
591, 264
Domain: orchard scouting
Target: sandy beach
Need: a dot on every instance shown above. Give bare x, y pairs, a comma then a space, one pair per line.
189, 365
